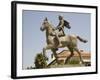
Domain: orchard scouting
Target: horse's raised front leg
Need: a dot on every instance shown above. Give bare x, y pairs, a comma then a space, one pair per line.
81, 60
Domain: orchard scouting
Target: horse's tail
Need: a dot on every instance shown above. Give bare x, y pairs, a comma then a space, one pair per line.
82, 40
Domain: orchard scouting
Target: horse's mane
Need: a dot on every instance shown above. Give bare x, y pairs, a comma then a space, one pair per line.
52, 26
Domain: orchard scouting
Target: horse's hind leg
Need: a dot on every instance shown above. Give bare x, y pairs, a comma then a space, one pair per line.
81, 60
66, 61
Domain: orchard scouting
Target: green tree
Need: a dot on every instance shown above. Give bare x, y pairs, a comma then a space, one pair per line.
40, 62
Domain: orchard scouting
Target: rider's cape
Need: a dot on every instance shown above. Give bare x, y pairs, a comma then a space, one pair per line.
66, 23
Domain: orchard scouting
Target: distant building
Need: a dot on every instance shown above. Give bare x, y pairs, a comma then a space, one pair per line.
86, 56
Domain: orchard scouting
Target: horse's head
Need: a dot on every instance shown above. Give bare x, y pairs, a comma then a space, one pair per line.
45, 24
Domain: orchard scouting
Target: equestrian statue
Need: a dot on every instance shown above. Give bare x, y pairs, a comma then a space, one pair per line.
56, 38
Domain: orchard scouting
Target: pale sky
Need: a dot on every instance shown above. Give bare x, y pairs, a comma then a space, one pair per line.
33, 39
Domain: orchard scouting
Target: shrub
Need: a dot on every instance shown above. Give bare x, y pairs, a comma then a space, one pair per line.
40, 62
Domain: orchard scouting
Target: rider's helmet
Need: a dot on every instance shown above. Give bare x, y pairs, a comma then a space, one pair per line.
46, 19
60, 17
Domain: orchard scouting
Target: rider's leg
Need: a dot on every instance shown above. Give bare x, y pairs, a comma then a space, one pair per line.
62, 29
63, 32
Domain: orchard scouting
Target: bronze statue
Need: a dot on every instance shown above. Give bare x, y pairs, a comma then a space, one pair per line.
69, 41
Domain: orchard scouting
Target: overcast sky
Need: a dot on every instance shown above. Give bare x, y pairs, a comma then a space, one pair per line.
33, 39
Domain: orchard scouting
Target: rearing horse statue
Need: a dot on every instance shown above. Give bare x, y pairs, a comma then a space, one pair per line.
69, 41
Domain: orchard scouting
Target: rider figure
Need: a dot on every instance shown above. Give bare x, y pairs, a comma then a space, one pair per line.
62, 23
